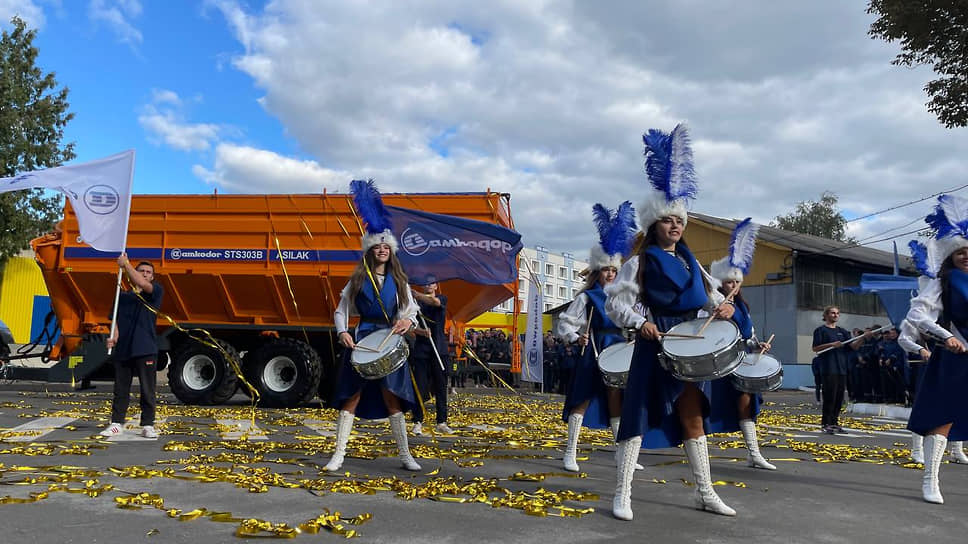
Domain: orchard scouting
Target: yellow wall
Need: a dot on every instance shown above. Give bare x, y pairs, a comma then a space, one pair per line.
21, 281
500, 319
709, 242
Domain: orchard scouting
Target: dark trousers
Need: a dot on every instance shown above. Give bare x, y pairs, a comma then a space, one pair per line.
431, 380
147, 378
833, 397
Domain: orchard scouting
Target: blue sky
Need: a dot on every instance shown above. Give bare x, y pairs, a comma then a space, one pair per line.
543, 100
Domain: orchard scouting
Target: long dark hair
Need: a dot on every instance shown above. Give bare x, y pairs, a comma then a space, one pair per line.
393, 268
642, 242
945, 276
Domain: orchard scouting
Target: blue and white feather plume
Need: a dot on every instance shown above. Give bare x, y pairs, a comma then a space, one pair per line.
375, 216
949, 221
669, 167
922, 260
616, 230
742, 244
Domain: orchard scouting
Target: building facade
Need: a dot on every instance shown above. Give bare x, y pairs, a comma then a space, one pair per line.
558, 274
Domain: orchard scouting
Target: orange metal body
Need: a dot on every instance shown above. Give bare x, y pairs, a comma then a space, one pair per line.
250, 292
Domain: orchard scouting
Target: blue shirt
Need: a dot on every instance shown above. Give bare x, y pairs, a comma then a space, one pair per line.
137, 334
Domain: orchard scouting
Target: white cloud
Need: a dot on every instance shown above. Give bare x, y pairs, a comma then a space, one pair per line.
548, 101
118, 14
27, 10
241, 168
164, 122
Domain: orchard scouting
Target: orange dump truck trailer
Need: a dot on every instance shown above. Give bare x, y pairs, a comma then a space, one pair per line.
261, 273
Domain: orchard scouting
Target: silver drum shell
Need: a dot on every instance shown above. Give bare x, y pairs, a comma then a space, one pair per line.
386, 364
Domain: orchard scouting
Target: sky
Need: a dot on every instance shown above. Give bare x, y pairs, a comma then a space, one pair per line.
545, 100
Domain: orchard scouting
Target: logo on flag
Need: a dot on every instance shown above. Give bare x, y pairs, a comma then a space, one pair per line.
102, 199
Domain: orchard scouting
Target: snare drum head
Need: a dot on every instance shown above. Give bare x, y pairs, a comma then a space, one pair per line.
758, 366
617, 357
373, 341
720, 334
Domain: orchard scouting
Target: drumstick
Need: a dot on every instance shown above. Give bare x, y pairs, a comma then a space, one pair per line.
677, 335
712, 316
762, 350
380, 347
588, 328
364, 348
854, 339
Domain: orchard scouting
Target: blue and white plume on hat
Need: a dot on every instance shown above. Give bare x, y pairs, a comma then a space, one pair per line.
742, 243
615, 233
949, 221
923, 260
668, 165
376, 217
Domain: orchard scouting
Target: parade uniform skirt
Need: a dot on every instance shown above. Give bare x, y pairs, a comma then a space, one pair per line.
940, 397
648, 408
371, 404
723, 415
587, 384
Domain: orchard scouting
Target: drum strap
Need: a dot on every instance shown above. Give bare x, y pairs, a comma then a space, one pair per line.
376, 290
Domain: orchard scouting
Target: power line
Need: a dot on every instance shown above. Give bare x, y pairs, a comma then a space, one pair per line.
872, 214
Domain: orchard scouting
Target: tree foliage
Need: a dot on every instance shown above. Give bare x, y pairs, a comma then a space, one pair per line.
933, 32
819, 218
33, 114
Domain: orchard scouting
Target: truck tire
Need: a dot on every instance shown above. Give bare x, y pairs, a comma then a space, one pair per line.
199, 374
285, 371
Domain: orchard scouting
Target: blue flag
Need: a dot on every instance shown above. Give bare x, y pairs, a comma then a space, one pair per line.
436, 247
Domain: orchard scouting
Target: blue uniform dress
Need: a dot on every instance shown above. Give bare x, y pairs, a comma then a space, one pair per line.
724, 417
940, 398
350, 382
587, 383
673, 294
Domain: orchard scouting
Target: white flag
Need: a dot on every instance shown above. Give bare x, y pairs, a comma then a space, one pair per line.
100, 192
532, 358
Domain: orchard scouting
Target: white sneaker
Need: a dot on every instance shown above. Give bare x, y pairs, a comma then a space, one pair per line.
148, 431
442, 428
418, 429
113, 429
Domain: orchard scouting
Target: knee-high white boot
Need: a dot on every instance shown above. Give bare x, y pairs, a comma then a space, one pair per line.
398, 427
706, 498
615, 423
344, 425
917, 448
753, 458
934, 445
628, 450
571, 448
958, 452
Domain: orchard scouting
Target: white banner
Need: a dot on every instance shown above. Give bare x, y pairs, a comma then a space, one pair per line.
100, 192
532, 356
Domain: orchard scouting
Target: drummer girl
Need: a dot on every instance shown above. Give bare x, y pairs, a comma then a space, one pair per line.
659, 411
734, 410
940, 311
589, 401
379, 293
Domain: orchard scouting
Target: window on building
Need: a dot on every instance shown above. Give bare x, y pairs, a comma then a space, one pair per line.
549, 289
547, 306
549, 269
562, 292
535, 267
574, 275
819, 284
562, 272
574, 292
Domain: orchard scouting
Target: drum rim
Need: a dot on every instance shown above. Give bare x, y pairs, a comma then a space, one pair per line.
737, 337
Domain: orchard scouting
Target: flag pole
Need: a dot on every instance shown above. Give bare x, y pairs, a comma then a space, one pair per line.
124, 247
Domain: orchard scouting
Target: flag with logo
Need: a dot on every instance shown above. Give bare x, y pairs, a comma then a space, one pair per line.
99, 191
437, 247
532, 351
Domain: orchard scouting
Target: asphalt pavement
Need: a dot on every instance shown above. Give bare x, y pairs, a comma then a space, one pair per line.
498, 479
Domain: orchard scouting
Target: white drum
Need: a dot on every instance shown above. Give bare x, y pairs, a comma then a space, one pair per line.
614, 362
374, 362
716, 354
758, 374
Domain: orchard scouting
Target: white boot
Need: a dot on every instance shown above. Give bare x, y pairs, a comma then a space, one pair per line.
571, 449
957, 452
934, 445
614, 423
398, 427
706, 498
344, 425
917, 448
753, 458
622, 502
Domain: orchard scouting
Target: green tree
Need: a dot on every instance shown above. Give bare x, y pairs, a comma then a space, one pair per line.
819, 218
33, 114
933, 32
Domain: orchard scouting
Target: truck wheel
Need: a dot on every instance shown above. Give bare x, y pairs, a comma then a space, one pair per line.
285, 371
199, 374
